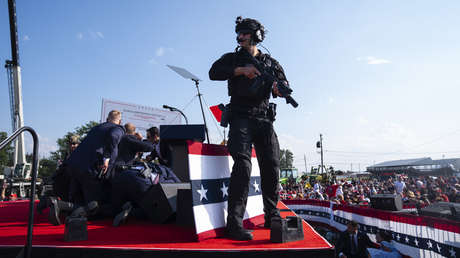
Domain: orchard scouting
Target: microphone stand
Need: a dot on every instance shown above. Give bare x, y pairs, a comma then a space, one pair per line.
175, 109
201, 105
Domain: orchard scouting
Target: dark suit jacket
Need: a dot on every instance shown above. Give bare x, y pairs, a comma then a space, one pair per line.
101, 142
344, 245
165, 154
129, 146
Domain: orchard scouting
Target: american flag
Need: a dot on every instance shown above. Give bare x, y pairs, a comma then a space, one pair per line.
210, 167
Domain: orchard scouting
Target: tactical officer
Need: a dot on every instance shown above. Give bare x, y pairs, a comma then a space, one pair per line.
251, 122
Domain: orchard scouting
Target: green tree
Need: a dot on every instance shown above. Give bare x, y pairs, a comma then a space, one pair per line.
286, 159
47, 167
63, 143
6, 154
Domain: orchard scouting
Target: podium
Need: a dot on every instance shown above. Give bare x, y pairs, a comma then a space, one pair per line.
206, 169
173, 145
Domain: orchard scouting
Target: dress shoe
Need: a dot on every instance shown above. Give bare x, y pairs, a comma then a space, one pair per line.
239, 234
53, 216
85, 211
123, 215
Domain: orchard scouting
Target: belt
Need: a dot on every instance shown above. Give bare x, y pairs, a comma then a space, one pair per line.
251, 111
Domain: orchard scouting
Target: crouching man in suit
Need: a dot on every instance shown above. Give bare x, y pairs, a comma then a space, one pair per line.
91, 165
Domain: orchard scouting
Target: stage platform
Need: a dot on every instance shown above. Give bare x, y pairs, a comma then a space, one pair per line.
143, 239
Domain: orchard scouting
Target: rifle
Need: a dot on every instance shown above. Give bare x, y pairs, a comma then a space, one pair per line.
267, 78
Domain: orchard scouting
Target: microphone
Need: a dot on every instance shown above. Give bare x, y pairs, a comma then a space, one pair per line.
170, 108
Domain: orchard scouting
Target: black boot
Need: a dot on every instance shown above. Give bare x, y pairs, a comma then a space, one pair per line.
268, 219
56, 206
85, 211
238, 233
53, 216
123, 215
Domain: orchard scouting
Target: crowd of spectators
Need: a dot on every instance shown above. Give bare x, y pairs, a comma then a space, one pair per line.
421, 190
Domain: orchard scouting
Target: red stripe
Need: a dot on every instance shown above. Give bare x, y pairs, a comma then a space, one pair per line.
199, 148
442, 224
307, 202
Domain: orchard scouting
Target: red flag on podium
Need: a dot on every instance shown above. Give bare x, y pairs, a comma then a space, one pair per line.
217, 112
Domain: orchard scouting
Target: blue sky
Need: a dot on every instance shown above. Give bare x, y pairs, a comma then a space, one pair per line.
378, 79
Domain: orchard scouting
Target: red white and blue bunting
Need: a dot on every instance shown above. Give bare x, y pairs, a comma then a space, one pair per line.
415, 236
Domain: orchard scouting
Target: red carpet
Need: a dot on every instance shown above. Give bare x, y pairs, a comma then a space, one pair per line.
138, 235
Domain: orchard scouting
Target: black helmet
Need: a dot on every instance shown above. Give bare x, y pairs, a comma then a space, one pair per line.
252, 26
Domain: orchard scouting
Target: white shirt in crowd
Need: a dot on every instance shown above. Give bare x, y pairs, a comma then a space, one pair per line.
419, 183
339, 191
317, 187
399, 186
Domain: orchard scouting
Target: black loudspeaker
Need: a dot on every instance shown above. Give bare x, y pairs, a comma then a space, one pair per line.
446, 210
389, 202
76, 229
286, 230
159, 202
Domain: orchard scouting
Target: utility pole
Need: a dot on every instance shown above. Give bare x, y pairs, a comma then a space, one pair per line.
319, 144
305, 160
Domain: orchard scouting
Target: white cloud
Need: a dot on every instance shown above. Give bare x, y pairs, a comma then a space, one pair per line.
373, 60
152, 61
331, 100
362, 121
79, 35
388, 137
99, 34
45, 146
294, 144
160, 51
96, 35
26, 38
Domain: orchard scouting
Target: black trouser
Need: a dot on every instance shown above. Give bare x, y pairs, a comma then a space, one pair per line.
243, 133
85, 187
61, 182
129, 186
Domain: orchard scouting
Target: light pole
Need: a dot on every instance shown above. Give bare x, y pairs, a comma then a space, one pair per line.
319, 144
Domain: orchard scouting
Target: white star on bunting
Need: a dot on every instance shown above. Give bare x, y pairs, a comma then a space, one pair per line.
256, 186
224, 190
407, 239
452, 252
430, 245
202, 193
416, 241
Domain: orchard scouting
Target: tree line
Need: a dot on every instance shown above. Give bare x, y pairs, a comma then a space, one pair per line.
48, 165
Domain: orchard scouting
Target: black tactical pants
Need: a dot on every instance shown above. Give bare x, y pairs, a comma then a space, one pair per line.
243, 133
